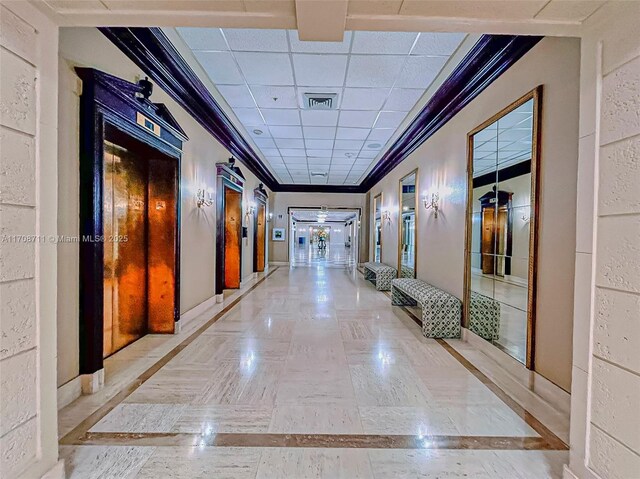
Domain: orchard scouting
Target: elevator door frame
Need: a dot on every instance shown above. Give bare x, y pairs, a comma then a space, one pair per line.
260, 197
228, 176
107, 100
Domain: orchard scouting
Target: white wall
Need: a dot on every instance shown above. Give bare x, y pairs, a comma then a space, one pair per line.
442, 162
281, 202
606, 361
78, 47
28, 206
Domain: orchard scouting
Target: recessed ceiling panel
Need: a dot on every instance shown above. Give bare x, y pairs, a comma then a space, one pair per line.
374, 80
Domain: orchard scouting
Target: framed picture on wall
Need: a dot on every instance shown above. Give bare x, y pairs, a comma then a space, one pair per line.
278, 234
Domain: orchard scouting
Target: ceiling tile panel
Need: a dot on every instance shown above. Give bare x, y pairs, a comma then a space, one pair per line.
358, 119
254, 40
364, 98
402, 99
286, 131
419, 72
390, 119
237, 96
319, 132
374, 70
220, 67
274, 96
319, 118
203, 38
281, 117
320, 70
319, 144
265, 68
349, 144
437, 43
380, 134
249, 116
295, 152
289, 142
398, 43
352, 133
264, 143
319, 153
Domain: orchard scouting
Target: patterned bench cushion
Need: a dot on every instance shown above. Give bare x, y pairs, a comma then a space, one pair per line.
407, 272
380, 275
484, 316
441, 311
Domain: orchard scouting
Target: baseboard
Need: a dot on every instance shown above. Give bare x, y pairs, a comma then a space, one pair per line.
279, 263
56, 472
197, 310
69, 392
92, 383
541, 386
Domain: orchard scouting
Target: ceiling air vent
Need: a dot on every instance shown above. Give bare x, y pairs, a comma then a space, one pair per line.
318, 173
320, 101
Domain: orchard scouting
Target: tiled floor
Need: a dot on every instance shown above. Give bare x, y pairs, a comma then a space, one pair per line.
311, 374
335, 255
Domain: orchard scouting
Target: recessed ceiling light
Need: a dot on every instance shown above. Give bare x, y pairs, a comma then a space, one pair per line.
258, 132
372, 145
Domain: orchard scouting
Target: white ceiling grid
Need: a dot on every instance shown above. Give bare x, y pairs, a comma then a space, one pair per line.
263, 75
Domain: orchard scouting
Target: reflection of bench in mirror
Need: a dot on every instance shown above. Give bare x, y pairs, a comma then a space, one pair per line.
441, 311
484, 316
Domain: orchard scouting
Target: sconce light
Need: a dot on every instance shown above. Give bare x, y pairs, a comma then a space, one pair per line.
526, 218
386, 216
432, 204
269, 217
250, 211
204, 198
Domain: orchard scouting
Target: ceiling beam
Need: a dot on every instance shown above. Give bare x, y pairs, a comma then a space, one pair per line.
321, 20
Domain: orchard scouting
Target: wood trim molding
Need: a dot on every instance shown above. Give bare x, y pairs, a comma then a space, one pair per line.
153, 52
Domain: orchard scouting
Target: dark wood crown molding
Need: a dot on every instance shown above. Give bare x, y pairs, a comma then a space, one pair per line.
152, 51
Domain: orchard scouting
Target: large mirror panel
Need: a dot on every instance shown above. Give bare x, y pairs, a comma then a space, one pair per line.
407, 232
501, 249
377, 228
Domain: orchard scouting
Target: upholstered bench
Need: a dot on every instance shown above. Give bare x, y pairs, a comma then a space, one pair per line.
484, 316
407, 272
441, 311
380, 275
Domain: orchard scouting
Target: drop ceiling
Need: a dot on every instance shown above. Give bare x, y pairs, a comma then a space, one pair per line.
378, 78
505, 142
330, 215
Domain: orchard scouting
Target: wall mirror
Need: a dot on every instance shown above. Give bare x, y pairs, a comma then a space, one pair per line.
377, 228
501, 227
408, 202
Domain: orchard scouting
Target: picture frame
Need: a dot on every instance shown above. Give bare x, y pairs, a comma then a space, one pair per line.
278, 234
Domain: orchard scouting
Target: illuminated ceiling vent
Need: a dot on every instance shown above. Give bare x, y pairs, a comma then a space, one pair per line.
320, 101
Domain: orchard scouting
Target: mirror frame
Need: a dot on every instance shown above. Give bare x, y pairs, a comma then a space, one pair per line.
376, 197
536, 95
415, 253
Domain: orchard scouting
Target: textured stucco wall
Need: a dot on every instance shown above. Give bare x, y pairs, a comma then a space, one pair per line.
28, 421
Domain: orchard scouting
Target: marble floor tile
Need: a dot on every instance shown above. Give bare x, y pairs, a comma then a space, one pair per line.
316, 419
104, 462
197, 462
421, 421
129, 417
307, 463
487, 421
387, 385
223, 418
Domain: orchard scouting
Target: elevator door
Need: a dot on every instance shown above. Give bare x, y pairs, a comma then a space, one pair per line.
261, 224
232, 234
125, 252
494, 239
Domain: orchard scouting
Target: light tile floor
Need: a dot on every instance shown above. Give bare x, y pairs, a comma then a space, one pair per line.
310, 351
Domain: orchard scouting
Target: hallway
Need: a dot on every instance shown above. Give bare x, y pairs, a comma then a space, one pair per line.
309, 373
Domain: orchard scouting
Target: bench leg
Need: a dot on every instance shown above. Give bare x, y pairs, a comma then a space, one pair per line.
398, 298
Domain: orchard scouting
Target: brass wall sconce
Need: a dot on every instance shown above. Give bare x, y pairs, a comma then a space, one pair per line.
250, 211
269, 217
432, 203
204, 198
386, 216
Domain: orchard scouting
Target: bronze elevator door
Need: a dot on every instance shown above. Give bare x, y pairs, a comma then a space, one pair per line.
232, 237
494, 234
125, 252
260, 234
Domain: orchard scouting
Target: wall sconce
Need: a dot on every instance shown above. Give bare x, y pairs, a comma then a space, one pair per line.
386, 216
250, 211
526, 218
432, 204
204, 198
269, 217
